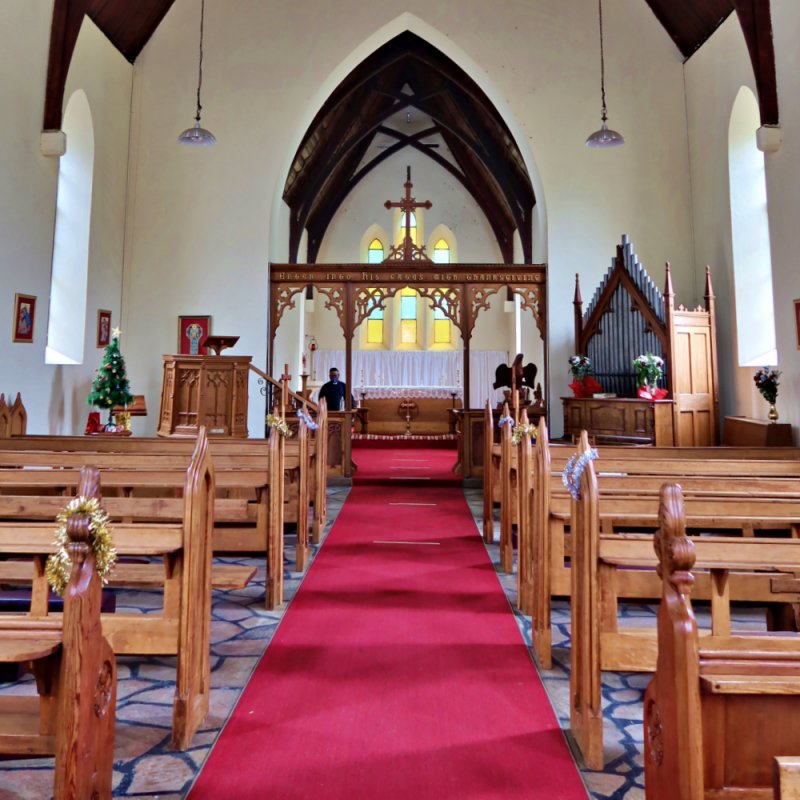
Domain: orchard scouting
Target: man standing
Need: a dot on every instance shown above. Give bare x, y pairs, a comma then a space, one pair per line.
333, 392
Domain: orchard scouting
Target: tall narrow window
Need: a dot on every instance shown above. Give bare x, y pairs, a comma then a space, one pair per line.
408, 316
375, 326
752, 259
441, 325
70, 273
412, 218
375, 252
441, 252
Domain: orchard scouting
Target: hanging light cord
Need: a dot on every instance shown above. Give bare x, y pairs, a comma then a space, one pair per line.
604, 116
200, 70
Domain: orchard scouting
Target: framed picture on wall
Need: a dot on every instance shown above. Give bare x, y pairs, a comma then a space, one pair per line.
797, 321
24, 316
192, 331
103, 327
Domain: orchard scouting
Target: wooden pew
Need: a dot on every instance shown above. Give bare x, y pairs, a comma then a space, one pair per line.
249, 513
304, 472
786, 777
751, 569
13, 418
717, 711
501, 477
74, 715
546, 509
176, 530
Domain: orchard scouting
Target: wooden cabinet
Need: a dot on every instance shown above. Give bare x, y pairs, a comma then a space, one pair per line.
744, 432
204, 390
620, 420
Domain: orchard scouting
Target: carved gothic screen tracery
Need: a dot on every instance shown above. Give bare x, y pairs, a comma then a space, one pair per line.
460, 291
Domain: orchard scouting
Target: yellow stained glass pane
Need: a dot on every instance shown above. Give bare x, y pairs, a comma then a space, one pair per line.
441, 252
441, 331
375, 331
375, 252
408, 331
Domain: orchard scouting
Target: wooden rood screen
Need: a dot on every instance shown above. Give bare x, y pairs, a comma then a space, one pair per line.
460, 291
628, 316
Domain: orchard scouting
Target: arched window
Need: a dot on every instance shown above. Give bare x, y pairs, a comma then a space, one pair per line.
408, 316
70, 274
413, 227
375, 327
752, 260
375, 252
441, 325
441, 252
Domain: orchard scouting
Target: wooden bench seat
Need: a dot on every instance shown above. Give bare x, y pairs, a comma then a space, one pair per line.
73, 716
229, 454
177, 533
253, 520
735, 502
718, 711
753, 569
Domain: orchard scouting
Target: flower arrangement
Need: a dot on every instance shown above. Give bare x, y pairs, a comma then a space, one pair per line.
580, 366
279, 424
766, 381
583, 384
649, 368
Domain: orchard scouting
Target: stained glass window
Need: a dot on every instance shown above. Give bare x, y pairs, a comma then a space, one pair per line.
441, 325
375, 252
441, 252
413, 229
408, 316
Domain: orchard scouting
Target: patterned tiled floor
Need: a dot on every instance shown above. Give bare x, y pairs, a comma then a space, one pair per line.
241, 631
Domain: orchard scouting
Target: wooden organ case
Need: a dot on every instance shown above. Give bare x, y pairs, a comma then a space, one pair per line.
629, 316
204, 390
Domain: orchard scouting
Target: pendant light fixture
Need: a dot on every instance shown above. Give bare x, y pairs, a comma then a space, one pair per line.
197, 136
604, 137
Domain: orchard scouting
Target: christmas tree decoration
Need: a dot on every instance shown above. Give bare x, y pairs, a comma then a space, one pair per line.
110, 386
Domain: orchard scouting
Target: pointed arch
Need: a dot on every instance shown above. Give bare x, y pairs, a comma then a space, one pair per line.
750, 240
69, 281
527, 215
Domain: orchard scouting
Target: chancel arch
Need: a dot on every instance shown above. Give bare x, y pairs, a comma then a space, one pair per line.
418, 113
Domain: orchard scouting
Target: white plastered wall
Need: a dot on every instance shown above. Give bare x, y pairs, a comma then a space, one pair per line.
55, 396
714, 76
204, 224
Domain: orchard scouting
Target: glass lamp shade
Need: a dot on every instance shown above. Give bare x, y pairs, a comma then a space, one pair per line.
197, 136
605, 137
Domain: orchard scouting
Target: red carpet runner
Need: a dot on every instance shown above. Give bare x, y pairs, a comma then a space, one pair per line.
397, 672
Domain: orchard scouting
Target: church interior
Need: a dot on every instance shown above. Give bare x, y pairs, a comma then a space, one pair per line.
400, 399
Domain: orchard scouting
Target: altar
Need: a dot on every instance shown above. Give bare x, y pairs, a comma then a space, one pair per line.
420, 410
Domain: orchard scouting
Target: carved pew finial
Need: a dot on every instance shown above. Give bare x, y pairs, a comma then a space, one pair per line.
672, 712
85, 737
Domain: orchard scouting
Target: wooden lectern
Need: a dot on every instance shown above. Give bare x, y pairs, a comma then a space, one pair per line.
204, 390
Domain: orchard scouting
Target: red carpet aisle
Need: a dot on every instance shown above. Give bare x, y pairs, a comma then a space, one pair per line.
398, 672
404, 463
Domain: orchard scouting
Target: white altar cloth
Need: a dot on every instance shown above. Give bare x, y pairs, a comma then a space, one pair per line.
410, 392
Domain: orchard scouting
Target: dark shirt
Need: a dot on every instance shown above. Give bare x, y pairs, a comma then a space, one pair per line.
334, 394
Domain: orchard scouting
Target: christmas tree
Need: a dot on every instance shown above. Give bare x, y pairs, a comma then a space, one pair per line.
110, 386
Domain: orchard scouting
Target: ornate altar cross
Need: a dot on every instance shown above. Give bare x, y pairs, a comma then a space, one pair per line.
408, 251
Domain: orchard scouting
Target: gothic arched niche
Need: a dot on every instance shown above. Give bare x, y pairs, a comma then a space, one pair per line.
367, 119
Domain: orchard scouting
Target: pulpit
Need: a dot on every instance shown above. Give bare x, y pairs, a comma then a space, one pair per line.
204, 390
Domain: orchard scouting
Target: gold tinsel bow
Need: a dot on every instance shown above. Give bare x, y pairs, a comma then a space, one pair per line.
59, 565
279, 424
521, 430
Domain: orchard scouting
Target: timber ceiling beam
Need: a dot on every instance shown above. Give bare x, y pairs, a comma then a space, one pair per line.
756, 22
67, 19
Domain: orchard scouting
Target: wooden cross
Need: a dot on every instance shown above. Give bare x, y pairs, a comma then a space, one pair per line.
285, 378
408, 251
